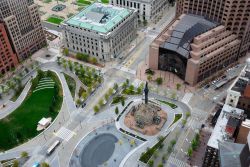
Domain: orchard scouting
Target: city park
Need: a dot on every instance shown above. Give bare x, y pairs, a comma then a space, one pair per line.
62, 9
141, 118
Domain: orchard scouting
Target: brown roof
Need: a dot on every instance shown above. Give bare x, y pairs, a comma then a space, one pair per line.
247, 91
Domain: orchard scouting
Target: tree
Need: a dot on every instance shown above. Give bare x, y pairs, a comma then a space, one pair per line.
24, 154
159, 81
110, 91
149, 78
160, 165
173, 95
96, 109
115, 86
15, 163
106, 96
116, 110
101, 102
44, 164
151, 163
83, 57
123, 102
190, 152
188, 114
178, 86
78, 101
184, 121
93, 60
66, 51
84, 95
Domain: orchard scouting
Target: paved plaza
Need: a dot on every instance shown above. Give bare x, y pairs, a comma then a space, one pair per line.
105, 146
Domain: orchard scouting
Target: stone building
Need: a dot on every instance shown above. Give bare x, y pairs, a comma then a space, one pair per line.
100, 30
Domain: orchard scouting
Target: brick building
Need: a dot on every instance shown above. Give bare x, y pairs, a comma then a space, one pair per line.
8, 58
194, 48
23, 24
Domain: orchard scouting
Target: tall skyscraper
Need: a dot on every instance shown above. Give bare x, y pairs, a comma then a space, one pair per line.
8, 58
23, 24
234, 14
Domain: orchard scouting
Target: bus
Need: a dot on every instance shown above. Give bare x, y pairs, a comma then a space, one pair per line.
53, 147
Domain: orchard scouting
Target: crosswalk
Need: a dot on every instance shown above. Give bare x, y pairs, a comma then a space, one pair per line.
65, 133
187, 98
173, 162
124, 69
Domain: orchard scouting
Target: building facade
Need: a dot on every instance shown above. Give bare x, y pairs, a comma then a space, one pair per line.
8, 58
233, 14
193, 48
238, 94
23, 25
147, 9
102, 31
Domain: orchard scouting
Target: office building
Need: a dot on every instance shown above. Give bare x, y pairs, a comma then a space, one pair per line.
100, 30
193, 48
233, 14
8, 58
147, 9
22, 22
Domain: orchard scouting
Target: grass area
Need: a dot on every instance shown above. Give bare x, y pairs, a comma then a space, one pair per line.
54, 20
118, 99
172, 105
21, 124
85, 2
176, 118
71, 84
47, 1
148, 154
105, 1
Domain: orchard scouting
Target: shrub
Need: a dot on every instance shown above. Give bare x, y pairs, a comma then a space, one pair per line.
116, 110
83, 57
151, 163
123, 102
96, 109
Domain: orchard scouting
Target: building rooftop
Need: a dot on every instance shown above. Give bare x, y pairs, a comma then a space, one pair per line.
99, 17
230, 154
188, 27
219, 133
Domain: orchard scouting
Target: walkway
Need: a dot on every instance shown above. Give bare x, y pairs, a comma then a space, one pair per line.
12, 106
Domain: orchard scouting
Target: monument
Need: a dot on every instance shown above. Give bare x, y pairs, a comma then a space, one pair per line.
147, 117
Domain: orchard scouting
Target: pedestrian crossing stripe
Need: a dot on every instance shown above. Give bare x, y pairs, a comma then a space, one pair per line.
65, 133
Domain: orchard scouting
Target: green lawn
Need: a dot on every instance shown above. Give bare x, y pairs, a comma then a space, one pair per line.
176, 118
172, 105
71, 84
85, 2
21, 124
54, 20
105, 1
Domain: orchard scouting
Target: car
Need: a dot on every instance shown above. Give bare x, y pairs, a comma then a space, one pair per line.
36, 164
207, 86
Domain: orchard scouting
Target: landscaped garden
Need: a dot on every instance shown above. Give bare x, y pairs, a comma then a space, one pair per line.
43, 100
54, 20
172, 105
148, 154
129, 89
71, 84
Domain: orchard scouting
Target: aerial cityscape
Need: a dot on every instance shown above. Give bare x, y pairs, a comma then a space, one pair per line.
124, 83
